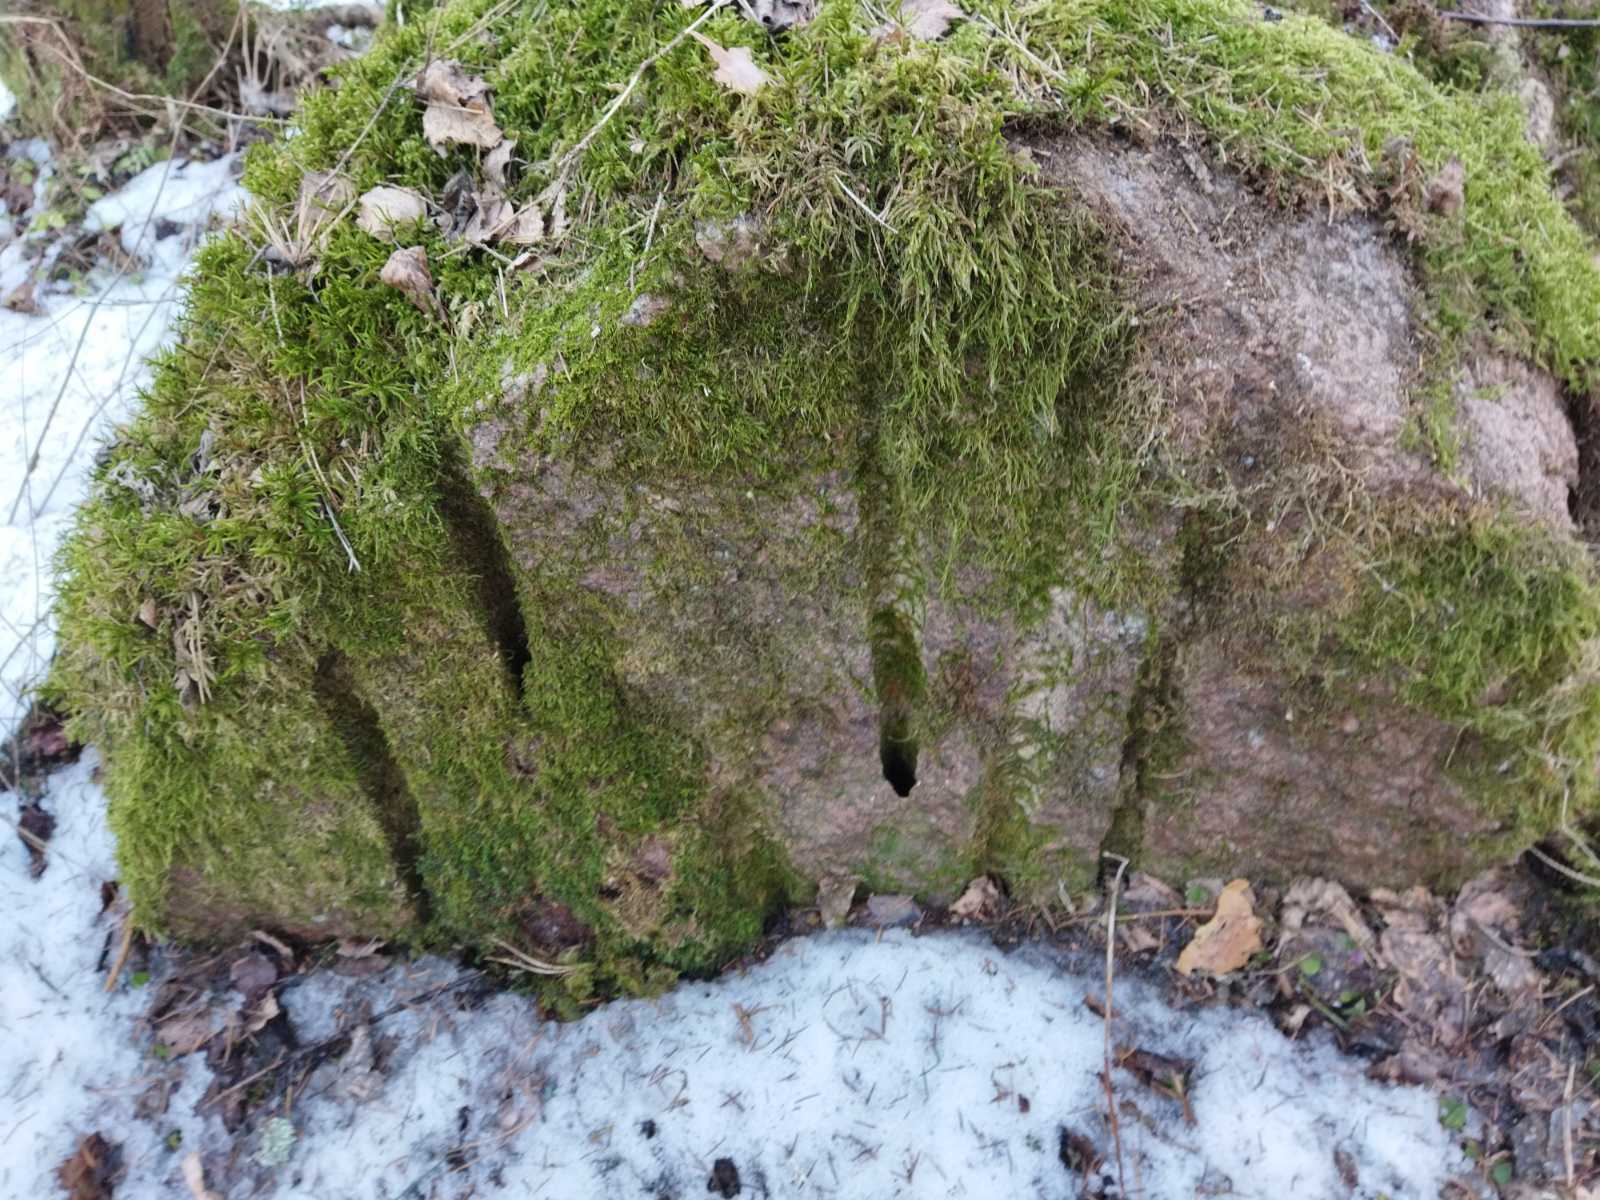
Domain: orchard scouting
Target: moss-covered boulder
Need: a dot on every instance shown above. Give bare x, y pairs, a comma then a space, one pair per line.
1102, 426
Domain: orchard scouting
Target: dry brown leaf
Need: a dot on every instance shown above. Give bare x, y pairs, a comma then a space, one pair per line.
526, 228
980, 902
1308, 899
357, 948
185, 1034
492, 216
407, 270
835, 894
149, 615
265, 1010
384, 209
1144, 893
91, 1171
194, 1174
928, 20
497, 160
322, 198
458, 111
1225, 942
736, 67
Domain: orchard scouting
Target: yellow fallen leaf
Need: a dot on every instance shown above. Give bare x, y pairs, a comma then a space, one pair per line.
1225, 942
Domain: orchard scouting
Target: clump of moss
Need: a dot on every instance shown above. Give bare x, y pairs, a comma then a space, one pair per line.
292, 487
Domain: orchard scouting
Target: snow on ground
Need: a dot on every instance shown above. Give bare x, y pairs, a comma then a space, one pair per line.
848, 1065
8, 101
69, 374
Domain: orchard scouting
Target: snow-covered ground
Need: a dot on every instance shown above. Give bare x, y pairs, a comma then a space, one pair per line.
70, 373
848, 1065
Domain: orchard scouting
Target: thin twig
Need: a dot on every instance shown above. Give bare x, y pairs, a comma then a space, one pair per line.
562, 167
1524, 22
1578, 876
122, 953
1111, 958
1566, 1133
860, 203
1378, 17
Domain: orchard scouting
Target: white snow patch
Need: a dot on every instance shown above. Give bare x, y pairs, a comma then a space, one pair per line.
181, 193
854, 1066
69, 1065
8, 101
69, 375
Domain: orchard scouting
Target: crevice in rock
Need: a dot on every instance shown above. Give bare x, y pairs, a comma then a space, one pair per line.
899, 680
1150, 719
357, 725
893, 625
476, 536
1583, 501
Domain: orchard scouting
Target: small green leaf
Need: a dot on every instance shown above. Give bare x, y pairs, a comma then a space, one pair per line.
1501, 1173
139, 979
1310, 965
1452, 1113
1472, 1149
1196, 896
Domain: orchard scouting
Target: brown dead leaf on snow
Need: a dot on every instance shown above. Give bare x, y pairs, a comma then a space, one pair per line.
1137, 937
20, 299
262, 1014
185, 1034
92, 1170
360, 948
1225, 942
382, 210
194, 1175
458, 111
736, 67
407, 270
980, 902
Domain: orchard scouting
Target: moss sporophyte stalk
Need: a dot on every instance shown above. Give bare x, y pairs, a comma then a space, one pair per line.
616, 570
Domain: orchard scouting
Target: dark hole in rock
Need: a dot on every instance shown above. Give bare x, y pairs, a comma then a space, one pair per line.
899, 759
898, 677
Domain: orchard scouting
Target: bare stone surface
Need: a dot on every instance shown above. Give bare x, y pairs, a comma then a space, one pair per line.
1517, 441
1277, 342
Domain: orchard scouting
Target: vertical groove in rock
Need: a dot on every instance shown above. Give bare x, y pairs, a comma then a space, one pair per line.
357, 725
476, 537
894, 624
1149, 718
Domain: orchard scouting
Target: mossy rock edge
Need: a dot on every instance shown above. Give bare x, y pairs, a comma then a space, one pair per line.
960, 456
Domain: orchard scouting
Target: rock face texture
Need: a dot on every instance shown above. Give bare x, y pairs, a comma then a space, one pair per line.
1083, 493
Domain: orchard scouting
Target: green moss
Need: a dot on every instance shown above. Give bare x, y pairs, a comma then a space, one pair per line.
922, 311
1492, 625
